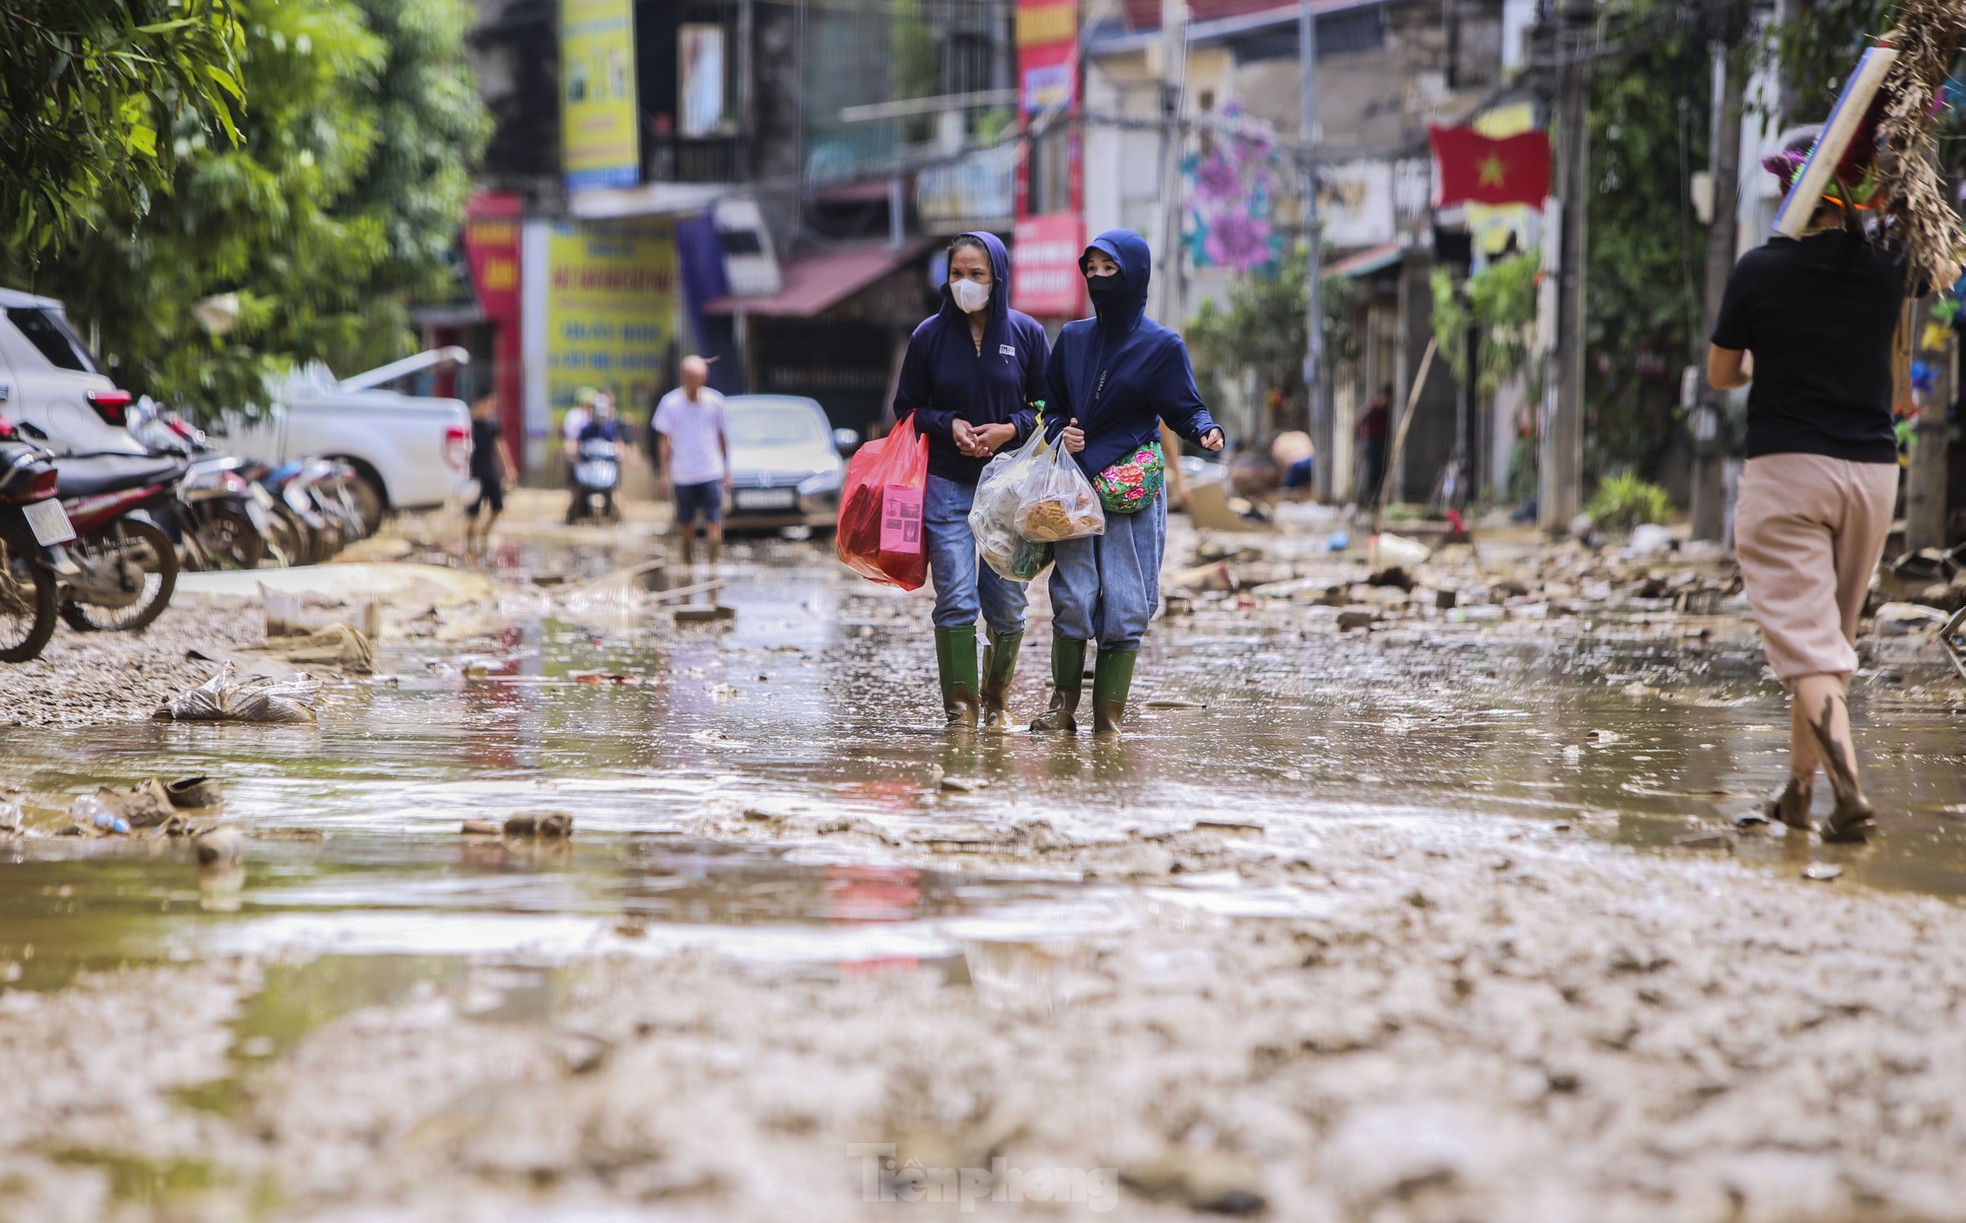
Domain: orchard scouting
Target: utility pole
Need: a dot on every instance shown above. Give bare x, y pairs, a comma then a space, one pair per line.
1709, 439
1316, 399
1563, 431
1174, 88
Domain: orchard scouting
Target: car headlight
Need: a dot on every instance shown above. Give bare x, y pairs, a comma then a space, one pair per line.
820, 482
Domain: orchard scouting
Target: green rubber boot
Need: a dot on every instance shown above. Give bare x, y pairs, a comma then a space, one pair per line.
1112, 679
955, 660
999, 667
1067, 682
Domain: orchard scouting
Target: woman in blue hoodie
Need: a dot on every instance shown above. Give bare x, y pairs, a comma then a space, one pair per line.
969, 376
1112, 379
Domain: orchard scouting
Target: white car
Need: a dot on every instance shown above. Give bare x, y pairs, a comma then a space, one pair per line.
785, 465
49, 379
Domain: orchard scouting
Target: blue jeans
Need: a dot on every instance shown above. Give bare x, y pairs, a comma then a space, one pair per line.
964, 588
1106, 587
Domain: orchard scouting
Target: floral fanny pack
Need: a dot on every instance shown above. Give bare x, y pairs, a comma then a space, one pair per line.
1132, 483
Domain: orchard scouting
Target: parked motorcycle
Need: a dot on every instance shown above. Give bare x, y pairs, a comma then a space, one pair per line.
33, 560
221, 520
300, 530
330, 485
225, 517
128, 563
596, 475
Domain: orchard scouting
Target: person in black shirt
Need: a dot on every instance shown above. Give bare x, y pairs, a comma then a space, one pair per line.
1808, 324
491, 467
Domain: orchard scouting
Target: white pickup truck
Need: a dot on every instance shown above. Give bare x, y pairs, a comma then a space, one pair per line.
413, 452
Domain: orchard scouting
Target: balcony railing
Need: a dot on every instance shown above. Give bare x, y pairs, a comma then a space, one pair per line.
671, 159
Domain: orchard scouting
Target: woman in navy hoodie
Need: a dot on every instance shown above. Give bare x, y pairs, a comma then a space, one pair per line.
1112, 380
970, 374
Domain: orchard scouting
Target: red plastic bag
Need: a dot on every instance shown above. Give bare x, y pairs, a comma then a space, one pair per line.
880, 531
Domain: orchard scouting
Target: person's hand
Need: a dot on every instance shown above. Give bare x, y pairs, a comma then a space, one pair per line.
1212, 440
965, 437
727, 483
993, 438
1073, 437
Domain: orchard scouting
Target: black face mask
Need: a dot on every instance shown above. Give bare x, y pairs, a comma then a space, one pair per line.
1105, 288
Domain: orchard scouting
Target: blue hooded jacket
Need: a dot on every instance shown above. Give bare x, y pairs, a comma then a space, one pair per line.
945, 378
1121, 373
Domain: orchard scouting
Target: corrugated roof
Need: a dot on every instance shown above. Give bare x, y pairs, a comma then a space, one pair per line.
818, 280
1365, 262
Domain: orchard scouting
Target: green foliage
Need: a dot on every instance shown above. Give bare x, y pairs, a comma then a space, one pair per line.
1625, 500
343, 199
94, 97
1263, 329
430, 130
1500, 300
1650, 113
995, 124
916, 63
1817, 51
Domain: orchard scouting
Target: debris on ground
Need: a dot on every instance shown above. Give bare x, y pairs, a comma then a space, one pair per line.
548, 825
94, 818
223, 698
144, 805
220, 846
603, 678
341, 646
1206, 1181
1899, 619
193, 793
704, 613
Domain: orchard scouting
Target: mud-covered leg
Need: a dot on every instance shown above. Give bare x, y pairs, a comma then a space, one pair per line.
1824, 701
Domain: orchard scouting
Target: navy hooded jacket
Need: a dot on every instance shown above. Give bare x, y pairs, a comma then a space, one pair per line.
944, 378
1121, 373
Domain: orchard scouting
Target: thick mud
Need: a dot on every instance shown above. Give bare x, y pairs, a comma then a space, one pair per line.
1448, 919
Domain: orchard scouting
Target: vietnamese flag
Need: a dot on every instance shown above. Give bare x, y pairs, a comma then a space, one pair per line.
1475, 168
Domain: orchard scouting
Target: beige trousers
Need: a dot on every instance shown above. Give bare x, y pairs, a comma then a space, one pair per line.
1808, 531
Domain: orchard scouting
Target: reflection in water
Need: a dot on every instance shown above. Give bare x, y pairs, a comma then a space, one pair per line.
823, 695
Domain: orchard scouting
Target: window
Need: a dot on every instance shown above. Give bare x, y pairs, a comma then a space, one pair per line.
772, 424
48, 332
1050, 168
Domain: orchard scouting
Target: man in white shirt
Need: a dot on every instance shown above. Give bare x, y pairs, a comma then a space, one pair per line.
693, 454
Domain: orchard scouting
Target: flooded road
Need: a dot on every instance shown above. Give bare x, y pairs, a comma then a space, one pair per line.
816, 700
1409, 900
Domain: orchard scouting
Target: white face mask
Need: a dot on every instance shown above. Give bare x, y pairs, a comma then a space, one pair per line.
970, 296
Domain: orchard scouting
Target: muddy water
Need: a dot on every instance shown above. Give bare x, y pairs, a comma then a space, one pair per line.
818, 696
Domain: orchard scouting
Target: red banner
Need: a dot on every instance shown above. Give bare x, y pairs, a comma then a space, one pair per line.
1045, 280
1048, 81
491, 245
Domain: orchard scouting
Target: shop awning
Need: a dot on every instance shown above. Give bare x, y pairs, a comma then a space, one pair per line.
818, 280
1365, 262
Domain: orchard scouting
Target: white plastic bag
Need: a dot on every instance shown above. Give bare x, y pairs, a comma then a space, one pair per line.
1054, 499
993, 514
224, 699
